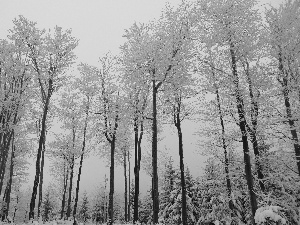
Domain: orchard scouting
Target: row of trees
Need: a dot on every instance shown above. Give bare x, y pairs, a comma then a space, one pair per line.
239, 62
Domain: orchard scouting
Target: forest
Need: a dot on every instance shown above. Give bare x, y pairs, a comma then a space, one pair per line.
230, 66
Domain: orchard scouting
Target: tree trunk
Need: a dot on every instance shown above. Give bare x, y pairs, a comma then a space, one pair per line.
106, 209
136, 174
77, 187
242, 125
177, 123
81, 158
111, 182
129, 202
228, 181
4, 154
154, 156
72, 169
253, 131
9, 184
63, 202
125, 191
41, 180
70, 186
38, 158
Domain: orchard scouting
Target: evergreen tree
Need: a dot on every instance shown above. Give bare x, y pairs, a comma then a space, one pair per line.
145, 210
171, 205
47, 207
84, 213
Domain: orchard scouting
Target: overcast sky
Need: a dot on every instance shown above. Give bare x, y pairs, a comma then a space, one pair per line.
99, 26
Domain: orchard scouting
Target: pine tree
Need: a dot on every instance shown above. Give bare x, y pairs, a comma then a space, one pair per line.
146, 206
171, 205
47, 207
84, 213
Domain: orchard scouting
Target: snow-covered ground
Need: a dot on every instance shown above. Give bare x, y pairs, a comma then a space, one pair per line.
264, 215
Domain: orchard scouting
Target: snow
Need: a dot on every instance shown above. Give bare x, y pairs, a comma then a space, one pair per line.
268, 212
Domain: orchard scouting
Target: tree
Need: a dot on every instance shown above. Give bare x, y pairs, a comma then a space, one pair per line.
110, 100
227, 21
48, 206
153, 53
284, 42
84, 209
50, 56
14, 82
171, 207
85, 86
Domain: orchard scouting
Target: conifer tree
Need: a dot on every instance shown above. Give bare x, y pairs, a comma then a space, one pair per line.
84, 214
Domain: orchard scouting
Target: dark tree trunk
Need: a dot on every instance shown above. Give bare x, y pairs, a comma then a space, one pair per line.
9, 184
138, 135
7, 137
253, 131
136, 173
129, 202
125, 191
70, 186
111, 182
154, 155
38, 158
5, 120
224, 145
72, 170
228, 181
77, 187
177, 123
63, 202
106, 209
242, 125
41, 180
81, 159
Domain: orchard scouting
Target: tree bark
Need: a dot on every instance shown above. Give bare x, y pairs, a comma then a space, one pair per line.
154, 155
224, 145
40, 148
70, 186
177, 123
41, 180
81, 158
9, 184
228, 181
125, 191
242, 125
253, 131
112, 183
5, 148
72, 170
129, 202
63, 202
136, 170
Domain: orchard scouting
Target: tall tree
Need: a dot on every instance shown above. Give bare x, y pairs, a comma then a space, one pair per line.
154, 57
87, 89
50, 56
110, 102
284, 40
15, 81
227, 21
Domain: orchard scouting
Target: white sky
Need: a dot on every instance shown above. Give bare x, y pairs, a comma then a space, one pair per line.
99, 25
